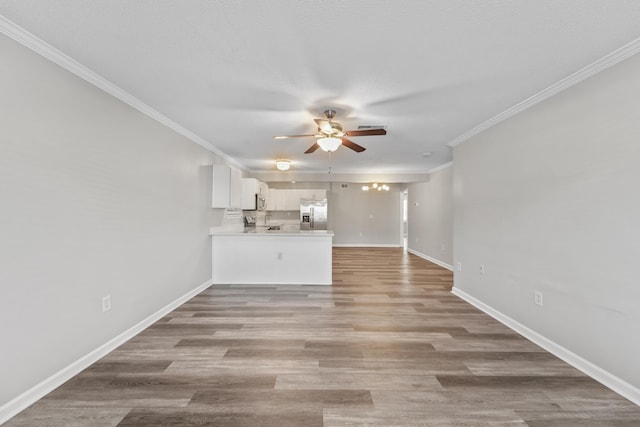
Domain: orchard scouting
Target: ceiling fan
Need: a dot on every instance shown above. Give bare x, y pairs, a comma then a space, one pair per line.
330, 135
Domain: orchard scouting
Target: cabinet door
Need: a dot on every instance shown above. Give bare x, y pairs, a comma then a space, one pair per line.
235, 198
272, 199
281, 200
313, 194
293, 199
305, 194
264, 188
250, 187
221, 186
319, 194
226, 189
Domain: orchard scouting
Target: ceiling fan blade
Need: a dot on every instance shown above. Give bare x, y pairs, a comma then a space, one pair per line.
291, 136
324, 125
350, 144
367, 132
311, 149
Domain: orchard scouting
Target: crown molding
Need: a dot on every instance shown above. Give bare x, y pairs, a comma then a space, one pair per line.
305, 176
590, 70
17, 33
442, 166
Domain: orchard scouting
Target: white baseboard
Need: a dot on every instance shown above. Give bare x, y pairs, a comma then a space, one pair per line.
433, 260
367, 245
16, 405
616, 384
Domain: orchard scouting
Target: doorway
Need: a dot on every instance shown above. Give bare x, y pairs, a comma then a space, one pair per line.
404, 218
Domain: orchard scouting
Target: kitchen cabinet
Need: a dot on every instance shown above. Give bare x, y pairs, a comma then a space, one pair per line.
277, 257
272, 203
250, 187
226, 188
277, 200
264, 189
289, 199
313, 194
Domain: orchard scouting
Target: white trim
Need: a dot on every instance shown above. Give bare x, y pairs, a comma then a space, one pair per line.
42, 48
616, 384
433, 260
439, 168
367, 245
590, 70
16, 405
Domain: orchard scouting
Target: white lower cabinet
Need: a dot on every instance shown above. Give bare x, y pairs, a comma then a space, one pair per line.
285, 258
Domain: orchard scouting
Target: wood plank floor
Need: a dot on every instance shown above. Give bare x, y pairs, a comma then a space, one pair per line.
386, 345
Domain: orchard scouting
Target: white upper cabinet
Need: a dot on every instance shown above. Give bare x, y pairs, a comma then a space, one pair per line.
313, 194
226, 188
272, 202
264, 188
250, 187
292, 200
289, 200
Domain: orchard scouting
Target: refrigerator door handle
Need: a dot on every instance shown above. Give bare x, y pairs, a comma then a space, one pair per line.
312, 219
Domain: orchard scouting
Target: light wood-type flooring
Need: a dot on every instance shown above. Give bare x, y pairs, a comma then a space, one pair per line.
386, 345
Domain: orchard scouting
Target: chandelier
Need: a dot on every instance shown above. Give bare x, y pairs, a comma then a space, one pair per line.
375, 186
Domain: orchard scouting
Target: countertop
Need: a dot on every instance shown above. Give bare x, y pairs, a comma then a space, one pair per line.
264, 231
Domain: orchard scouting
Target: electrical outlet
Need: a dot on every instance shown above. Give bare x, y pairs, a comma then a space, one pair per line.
106, 303
482, 269
459, 266
537, 298
442, 248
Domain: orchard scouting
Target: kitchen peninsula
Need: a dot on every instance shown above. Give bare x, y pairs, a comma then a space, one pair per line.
257, 255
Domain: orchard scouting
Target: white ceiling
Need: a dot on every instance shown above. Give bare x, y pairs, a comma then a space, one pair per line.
236, 73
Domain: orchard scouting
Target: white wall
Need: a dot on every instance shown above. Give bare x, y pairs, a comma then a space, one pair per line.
96, 199
430, 213
365, 218
548, 200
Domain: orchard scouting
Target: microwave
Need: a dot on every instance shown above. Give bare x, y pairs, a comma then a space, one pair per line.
261, 202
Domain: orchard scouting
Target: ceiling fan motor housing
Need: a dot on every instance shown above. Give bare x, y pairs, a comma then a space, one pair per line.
329, 114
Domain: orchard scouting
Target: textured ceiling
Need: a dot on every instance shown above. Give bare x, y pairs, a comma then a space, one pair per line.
236, 73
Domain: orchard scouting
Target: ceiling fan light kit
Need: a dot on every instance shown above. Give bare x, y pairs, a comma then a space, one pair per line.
329, 144
283, 164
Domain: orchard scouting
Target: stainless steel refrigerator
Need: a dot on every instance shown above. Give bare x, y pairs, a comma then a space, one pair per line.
313, 214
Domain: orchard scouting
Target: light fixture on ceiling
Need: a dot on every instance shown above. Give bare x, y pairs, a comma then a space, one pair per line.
376, 186
329, 143
283, 164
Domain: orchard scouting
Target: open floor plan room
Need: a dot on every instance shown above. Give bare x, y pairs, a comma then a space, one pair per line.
387, 344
